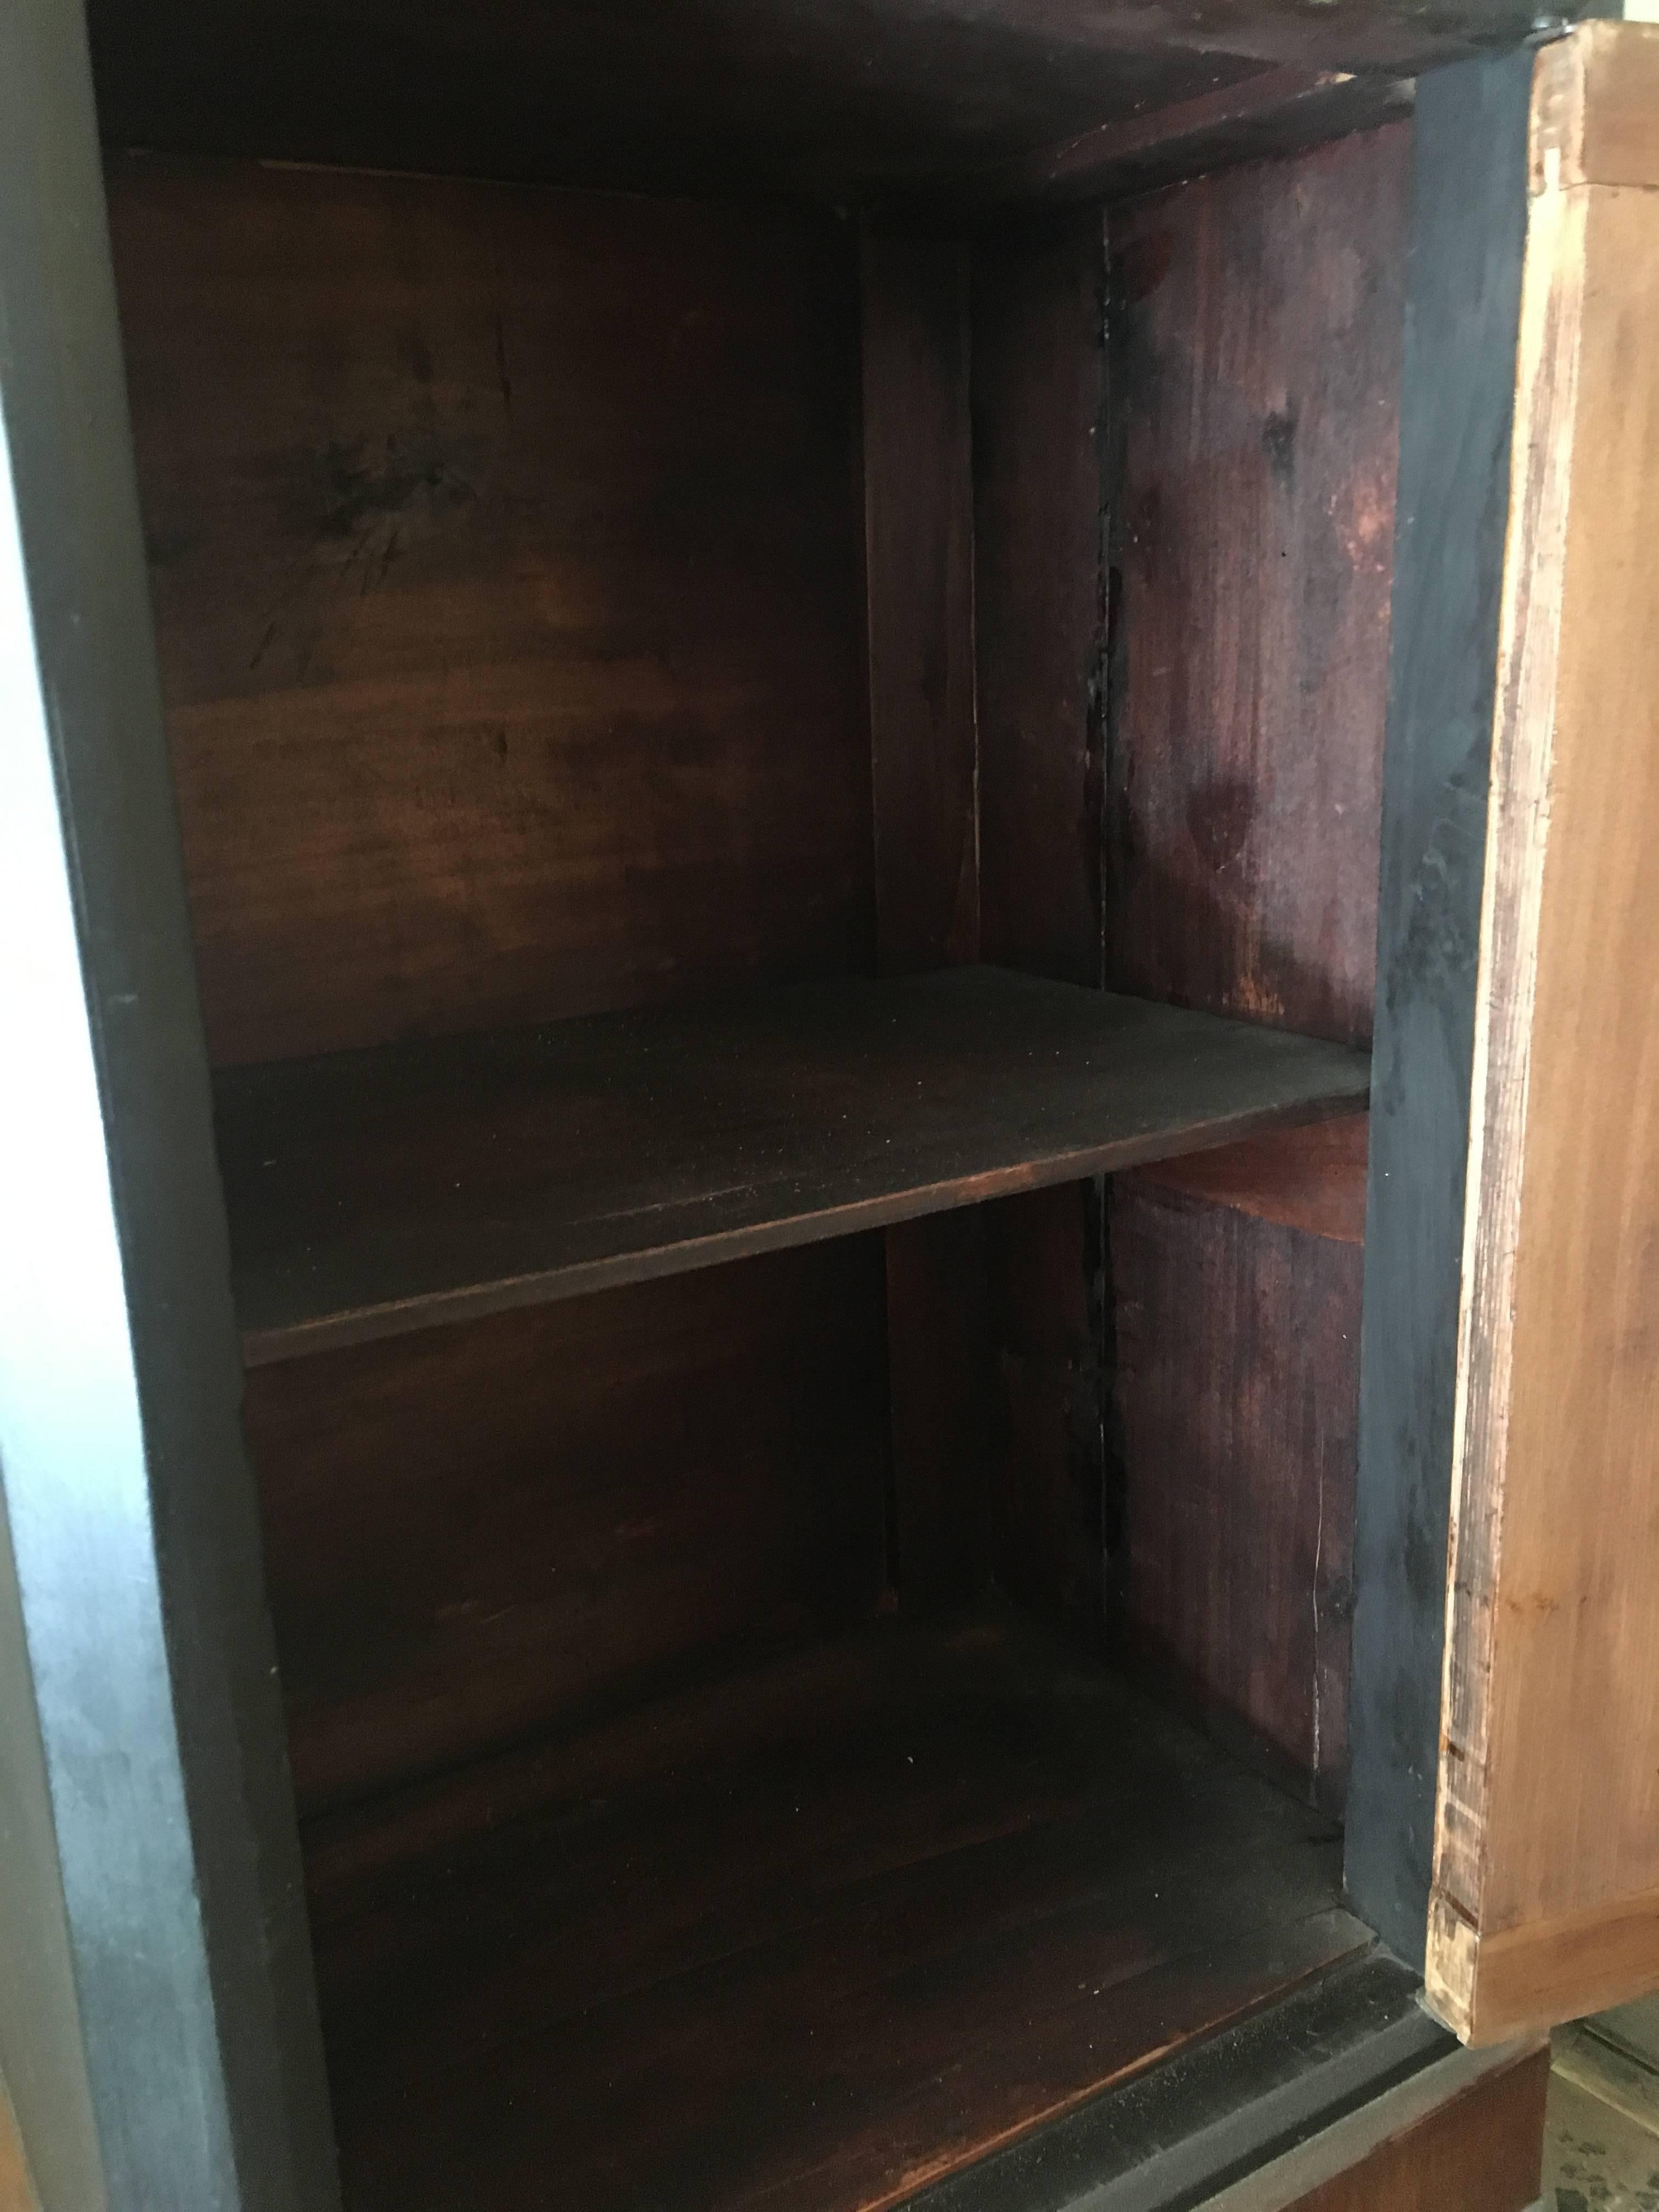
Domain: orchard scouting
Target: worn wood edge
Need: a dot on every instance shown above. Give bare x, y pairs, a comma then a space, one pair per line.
1524, 1980
1518, 838
1285, 2183
265, 1345
1596, 111
1280, 111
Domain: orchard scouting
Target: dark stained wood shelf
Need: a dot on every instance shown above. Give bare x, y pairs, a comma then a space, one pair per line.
809, 1935
376, 1192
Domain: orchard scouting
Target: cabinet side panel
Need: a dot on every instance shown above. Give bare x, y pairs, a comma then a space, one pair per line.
1258, 316
1468, 226
504, 552
1239, 1395
1257, 319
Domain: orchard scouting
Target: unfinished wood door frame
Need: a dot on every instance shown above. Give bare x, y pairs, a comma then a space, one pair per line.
1546, 1885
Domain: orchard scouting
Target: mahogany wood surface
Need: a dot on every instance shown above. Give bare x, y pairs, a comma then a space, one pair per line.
505, 561
1308, 1178
473, 1533
375, 1193
809, 1935
1238, 1391
1261, 320
1258, 324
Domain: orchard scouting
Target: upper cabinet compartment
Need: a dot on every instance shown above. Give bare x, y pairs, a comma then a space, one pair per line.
837, 100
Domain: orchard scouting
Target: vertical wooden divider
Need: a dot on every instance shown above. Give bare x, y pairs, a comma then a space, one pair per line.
918, 554
1039, 393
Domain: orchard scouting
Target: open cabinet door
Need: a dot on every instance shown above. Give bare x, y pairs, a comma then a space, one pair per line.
1544, 1901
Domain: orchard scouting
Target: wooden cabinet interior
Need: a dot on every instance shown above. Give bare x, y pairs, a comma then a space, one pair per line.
618, 650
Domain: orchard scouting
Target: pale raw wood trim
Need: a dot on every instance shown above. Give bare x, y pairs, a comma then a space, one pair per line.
1518, 838
1530, 1978
1597, 108
1546, 1901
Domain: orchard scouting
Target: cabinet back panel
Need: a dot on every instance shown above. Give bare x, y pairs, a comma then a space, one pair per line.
484, 1530
504, 549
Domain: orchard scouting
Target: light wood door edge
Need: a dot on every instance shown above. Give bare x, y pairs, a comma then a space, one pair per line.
1536, 1916
1518, 824
1485, 1987
1597, 108
1287, 2182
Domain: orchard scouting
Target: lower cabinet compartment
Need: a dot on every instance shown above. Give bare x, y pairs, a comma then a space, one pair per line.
815, 1933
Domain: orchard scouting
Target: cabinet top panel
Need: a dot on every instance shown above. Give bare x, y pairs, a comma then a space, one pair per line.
845, 100
373, 1193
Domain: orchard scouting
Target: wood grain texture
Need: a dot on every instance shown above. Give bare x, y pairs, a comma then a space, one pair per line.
1259, 365
1039, 393
1481, 2150
729, 97
1238, 1397
919, 574
503, 681
375, 1193
812, 1937
477, 1533
1469, 228
1595, 100
1547, 1868
1308, 1179
1257, 320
